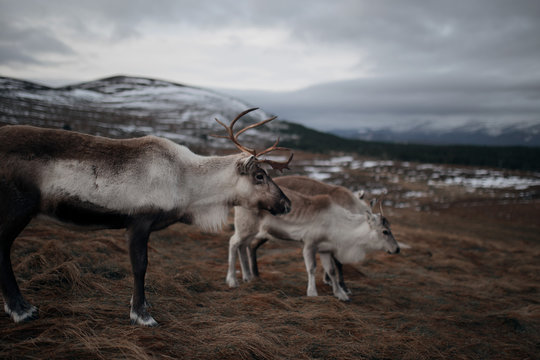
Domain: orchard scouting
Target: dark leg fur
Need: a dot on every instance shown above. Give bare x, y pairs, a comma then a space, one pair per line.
255, 244
339, 269
17, 208
137, 234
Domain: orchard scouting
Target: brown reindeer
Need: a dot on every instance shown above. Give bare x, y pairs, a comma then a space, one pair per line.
142, 185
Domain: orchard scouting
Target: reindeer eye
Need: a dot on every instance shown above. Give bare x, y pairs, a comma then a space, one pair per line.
386, 232
259, 177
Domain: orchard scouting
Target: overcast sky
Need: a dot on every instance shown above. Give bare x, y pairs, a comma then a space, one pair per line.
365, 60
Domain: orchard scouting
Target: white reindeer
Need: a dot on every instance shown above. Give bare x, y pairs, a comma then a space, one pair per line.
308, 186
322, 225
142, 184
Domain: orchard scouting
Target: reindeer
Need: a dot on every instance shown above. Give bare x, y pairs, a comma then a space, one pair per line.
339, 194
307, 186
143, 185
322, 225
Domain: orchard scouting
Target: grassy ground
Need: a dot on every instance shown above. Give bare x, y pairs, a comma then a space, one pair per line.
467, 289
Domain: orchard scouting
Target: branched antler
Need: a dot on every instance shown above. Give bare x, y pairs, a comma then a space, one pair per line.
234, 138
278, 165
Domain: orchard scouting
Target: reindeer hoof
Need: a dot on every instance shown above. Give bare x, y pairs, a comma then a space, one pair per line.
26, 312
232, 282
342, 297
142, 319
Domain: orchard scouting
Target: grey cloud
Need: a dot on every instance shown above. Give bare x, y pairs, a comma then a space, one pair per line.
389, 37
383, 102
9, 55
121, 18
432, 36
27, 44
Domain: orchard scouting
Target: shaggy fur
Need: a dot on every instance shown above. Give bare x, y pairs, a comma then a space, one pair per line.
322, 225
142, 185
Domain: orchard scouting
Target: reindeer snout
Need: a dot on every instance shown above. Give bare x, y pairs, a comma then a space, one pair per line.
395, 251
282, 207
286, 205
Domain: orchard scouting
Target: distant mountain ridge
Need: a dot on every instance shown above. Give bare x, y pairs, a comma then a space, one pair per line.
123, 106
508, 136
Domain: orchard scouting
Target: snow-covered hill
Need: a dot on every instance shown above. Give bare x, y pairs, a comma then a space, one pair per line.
475, 134
123, 106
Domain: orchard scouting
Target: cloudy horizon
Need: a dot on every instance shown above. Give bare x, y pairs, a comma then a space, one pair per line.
308, 61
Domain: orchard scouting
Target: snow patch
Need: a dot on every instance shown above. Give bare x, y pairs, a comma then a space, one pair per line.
492, 182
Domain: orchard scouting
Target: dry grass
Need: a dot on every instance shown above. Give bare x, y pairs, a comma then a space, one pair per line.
468, 289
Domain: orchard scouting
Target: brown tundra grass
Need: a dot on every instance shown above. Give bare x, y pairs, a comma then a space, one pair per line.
467, 289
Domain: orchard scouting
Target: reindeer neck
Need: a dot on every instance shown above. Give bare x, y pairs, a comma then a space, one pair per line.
308, 216
212, 187
363, 229
214, 176
306, 207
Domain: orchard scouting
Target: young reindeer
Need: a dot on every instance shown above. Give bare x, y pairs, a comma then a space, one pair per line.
142, 185
322, 225
307, 186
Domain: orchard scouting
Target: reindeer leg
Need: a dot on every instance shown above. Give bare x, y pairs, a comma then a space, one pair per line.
252, 251
16, 210
326, 279
311, 265
244, 263
137, 234
339, 268
328, 264
14, 303
234, 244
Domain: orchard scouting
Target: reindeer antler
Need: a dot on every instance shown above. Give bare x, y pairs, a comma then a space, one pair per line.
278, 165
234, 138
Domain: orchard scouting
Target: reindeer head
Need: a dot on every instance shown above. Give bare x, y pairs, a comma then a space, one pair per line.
380, 227
255, 188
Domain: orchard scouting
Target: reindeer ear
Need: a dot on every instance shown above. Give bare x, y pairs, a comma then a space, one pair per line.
372, 203
361, 194
246, 165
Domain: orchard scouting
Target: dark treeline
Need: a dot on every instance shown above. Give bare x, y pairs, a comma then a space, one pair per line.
509, 157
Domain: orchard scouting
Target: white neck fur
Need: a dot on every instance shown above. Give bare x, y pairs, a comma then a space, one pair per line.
213, 191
